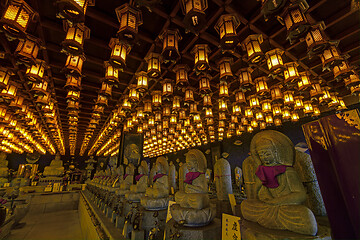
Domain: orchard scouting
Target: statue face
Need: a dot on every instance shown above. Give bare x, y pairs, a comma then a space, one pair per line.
191, 165
266, 155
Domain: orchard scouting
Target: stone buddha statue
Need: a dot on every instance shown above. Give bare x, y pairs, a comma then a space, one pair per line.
275, 193
55, 169
137, 191
4, 170
119, 172
172, 176
193, 205
157, 196
127, 180
222, 173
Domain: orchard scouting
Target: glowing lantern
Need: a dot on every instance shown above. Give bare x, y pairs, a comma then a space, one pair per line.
156, 98
294, 117
73, 82
223, 90
226, 28
315, 39
286, 115
245, 78
316, 91
208, 113
147, 107
240, 96
126, 105
111, 73
266, 106
166, 111
9, 92
236, 109
151, 121
35, 73
207, 101
249, 129
352, 80
119, 52
304, 81
17, 102
27, 50
244, 121
269, 119
330, 57
249, 113
252, 45
133, 93
105, 89
194, 11
334, 103
73, 105
173, 119
276, 93
181, 71
308, 108
102, 100
142, 81
153, 64
225, 67
298, 102
130, 19
170, 38
189, 95
254, 123
40, 88
222, 105
204, 83
290, 72
74, 65
274, 60
342, 70
73, 95
277, 122
276, 108
261, 85
288, 97
4, 77
326, 97
201, 51
16, 18
75, 36
73, 10
182, 115
167, 87
254, 101
316, 111
193, 108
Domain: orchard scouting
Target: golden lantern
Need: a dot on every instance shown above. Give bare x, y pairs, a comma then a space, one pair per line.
27, 50
73, 10
105, 89
153, 64
225, 67
142, 81
342, 104
98, 109
196, 118
308, 108
326, 97
254, 123
254, 101
157, 116
151, 121
75, 36
330, 57
17, 102
266, 106
74, 64
167, 87
277, 122
262, 125
145, 125
194, 11
276, 93
240, 96
119, 52
9, 92
16, 18
201, 51
35, 73
166, 111
226, 28
261, 85
234, 119
352, 80
223, 90
316, 111
259, 116
316, 91
269, 119
252, 45
147, 106
207, 101
133, 93
40, 88
288, 97
222, 116
181, 71
176, 103
193, 108
102, 100
286, 114
274, 60
245, 78
304, 81
236, 109
294, 116
189, 95
170, 39
73, 82
249, 113
130, 19
129, 124
139, 129
334, 102
276, 109
156, 98
72, 105
165, 124
173, 119
221, 124
316, 39
111, 73
222, 105
182, 115
159, 129
209, 121
342, 70
4, 77
249, 129
290, 71
298, 103
208, 113
204, 83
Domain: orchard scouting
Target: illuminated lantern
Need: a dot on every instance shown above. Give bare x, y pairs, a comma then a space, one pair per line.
130, 19
225, 67
167, 87
334, 103
181, 71
316, 91
209, 121
111, 73
16, 18
266, 106
157, 117
222, 105
274, 60
261, 85
173, 119
74, 65
226, 28
197, 118
40, 88
170, 38
72, 105
182, 115
352, 80
119, 52
201, 51
276, 93
244, 121
277, 122
165, 124
156, 98
189, 95
294, 117
304, 81
193, 108
298, 102
290, 72
286, 115
17, 102
73, 95
342, 104
105, 89
176, 103
221, 124
75, 36
254, 101
249, 129
316, 111
73, 82
142, 81
252, 45
166, 111
194, 11
276, 108
147, 106
236, 109
308, 108
326, 97
223, 90
249, 113
102, 100
98, 109
208, 113
316, 39
133, 93
204, 83
240, 96
262, 125
254, 123
151, 121
27, 50
245, 78
259, 116
207, 101
269, 119
9, 92
153, 64
35, 73
330, 57
4, 77
288, 97
234, 119
342, 70
73, 10
126, 105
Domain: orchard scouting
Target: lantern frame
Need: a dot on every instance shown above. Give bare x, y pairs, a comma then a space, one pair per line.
154, 64
245, 78
204, 83
194, 11
76, 33
130, 19
330, 57
119, 52
27, 50
252, 45
225, 68
261, 85
74, 64
35, 73
73, 82
111, 73
156, 98
72, 10
274, 60
316, 39
201, 59
4, 77
207, 100
170, 39
142, 81
226, 28
181, 71
105, 89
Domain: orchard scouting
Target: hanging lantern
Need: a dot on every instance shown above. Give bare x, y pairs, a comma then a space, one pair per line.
326, 97
130, 19
157, 117
236, 109
75, 36
73, 95
73, 10
316, 111
207, 101
225, 67
222, 105
193, 108
204, 83
189, 95
286, 114
133, 93
277, 122
288, 97
298, 102
208, 113
105, 89
209, 122
176, 103
43, 99
276, 108
249, 113
147, 106
252, 45
153, 64
194, 11
181, 71
308, 108
151, 121
197, 118
111, 73
16, 18
156, 98
244, 121
304, 81
254, 101
240, 96
316, 91
261, 85
269, 119
254, 123
330, 57
126, 104
290, 71
342, 104
226, 28
102, 100
201, 51
167, 87
72, 105
166, 111
4, 77
173, 120
73, 82
17, 102
9, 92
334, 103
262, 125
274, 60
40, 88
294, 116
182, 115
276, 93
316, 40
142, 81
74, 65
223, 90
266, 106
234, 119
170, 39
352, 80
245, 78
35, 73
342, 70
119, 52
27, 50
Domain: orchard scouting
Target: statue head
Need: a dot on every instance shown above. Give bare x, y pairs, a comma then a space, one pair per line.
161, 165
57, 157
132, 153
143, 168
3, 161
195, 161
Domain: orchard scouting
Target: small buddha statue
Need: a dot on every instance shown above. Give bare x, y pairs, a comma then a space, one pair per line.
4, 170
276, 193
137, 191
222, 172
119, 171
56, 168
172, 176
157, 196
127, 180
183, 170
193, 205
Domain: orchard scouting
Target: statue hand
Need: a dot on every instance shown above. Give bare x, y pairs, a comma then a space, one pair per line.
271, 201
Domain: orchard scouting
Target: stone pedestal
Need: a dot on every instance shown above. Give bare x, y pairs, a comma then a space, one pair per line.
119, 222
152, 219
209, 232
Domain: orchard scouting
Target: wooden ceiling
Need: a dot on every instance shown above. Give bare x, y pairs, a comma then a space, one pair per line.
342, 22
